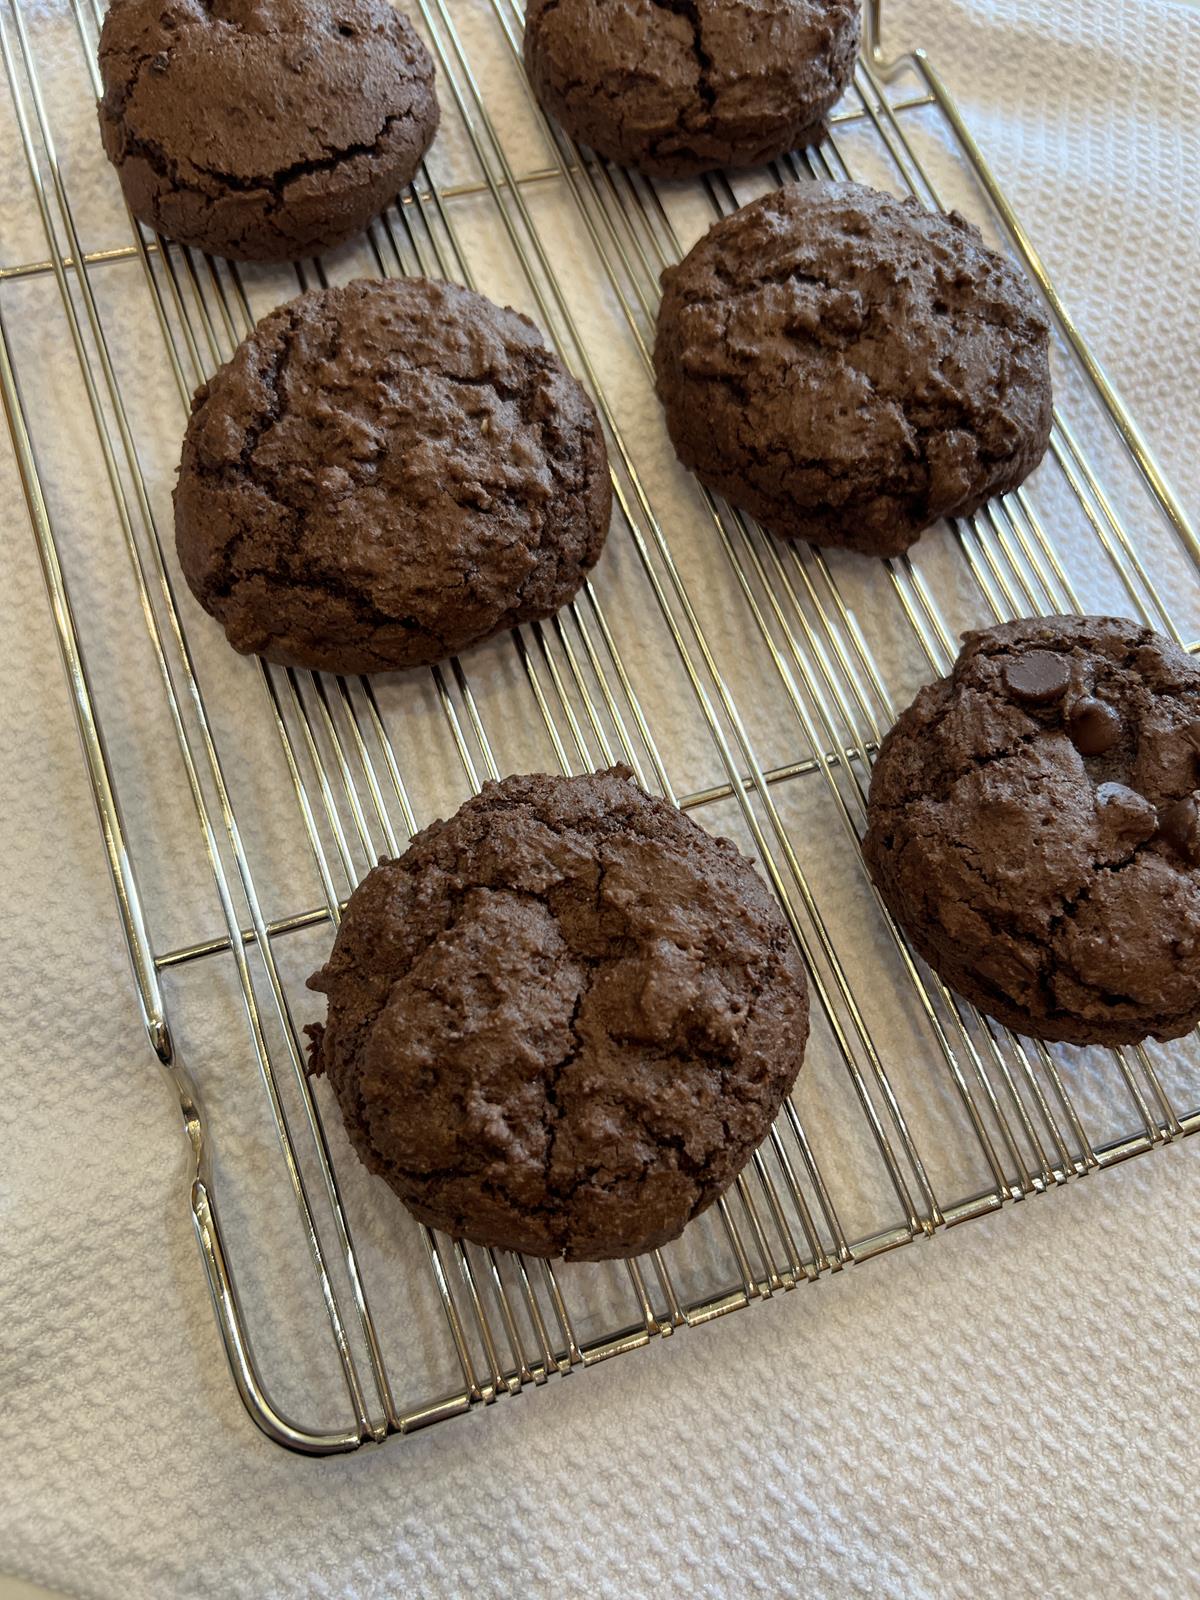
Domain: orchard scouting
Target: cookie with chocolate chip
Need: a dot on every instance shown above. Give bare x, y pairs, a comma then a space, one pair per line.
386, 473
562, 1020
1033, 827
263, 129
849, 367
677, 87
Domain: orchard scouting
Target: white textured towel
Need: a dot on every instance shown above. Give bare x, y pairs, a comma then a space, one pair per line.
1005, 1410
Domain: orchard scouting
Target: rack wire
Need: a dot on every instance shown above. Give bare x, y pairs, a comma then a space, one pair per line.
240, 802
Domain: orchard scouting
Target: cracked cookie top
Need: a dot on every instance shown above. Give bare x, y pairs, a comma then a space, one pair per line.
849, 367
263, 129
386, 473
562, 1020
677, 87
1033, 828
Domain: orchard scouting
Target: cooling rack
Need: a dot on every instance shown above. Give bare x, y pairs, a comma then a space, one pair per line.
747, 680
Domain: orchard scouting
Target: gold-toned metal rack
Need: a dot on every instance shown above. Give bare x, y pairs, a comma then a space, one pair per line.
731, 672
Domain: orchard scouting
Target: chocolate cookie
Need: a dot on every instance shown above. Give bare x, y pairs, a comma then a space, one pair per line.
562, 1020
263, 129
849, 367
1033, 827
386, 473
681, 86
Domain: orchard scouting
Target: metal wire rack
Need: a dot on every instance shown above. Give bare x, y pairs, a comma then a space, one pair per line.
240, 802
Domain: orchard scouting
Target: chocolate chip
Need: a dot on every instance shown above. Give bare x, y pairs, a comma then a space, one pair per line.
1179, 825
1037, 677
1095, 726
160, 62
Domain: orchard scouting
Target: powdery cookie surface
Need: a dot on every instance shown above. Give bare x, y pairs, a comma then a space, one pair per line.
386, 473
677, 87
563, 1019
849, 367
263, 129
1033, 827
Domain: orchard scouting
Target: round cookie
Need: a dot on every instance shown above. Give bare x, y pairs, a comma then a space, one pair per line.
679, 88
849, 367
263, 129
562, 1020
1033, 828
386, 473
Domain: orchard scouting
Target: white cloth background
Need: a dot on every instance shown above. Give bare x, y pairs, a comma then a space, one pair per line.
1005, 1410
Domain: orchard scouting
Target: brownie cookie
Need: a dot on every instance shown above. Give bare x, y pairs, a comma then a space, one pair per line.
849, 367
386, 473
263, 129
562, 1020
677, 87
1033, 827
